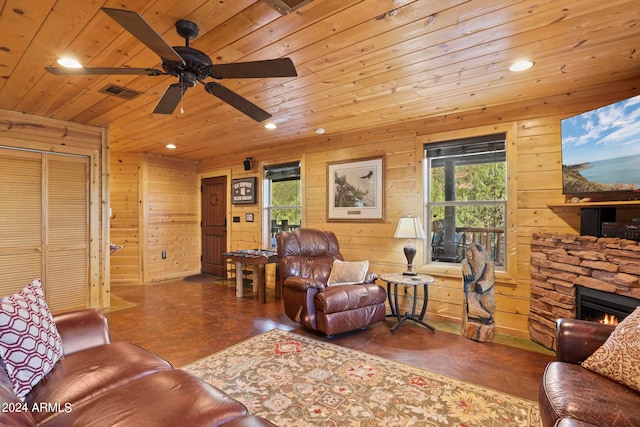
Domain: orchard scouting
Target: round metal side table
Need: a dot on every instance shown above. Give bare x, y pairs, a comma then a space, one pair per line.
396, 279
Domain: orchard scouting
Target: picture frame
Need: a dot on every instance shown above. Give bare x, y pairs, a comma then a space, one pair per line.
355, 190
248, 217
244, 190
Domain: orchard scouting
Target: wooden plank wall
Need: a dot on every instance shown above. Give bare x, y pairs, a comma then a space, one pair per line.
155, 208
535, 172
170, 218
29, 132
126, 266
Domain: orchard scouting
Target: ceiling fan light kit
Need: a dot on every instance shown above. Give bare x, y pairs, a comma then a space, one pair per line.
189, 65
69, 62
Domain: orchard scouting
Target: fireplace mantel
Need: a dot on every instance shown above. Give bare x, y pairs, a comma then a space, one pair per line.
559, 262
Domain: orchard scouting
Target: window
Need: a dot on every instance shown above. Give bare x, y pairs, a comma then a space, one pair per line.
283, 207
466, 197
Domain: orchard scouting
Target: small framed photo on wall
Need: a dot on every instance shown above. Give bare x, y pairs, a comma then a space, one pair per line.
248, 217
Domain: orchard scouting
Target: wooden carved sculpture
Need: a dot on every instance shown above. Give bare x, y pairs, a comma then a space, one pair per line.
479, 295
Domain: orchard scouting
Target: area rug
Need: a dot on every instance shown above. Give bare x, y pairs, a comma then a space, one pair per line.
293, 380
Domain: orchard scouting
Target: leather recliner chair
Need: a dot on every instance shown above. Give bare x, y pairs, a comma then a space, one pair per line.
305, 260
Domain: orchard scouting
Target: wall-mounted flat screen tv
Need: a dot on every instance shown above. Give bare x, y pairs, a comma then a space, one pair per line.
601, 149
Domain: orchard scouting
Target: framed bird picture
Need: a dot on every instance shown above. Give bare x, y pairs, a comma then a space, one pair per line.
355, 190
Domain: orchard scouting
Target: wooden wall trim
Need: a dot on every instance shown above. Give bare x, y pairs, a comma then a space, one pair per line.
143, 194
105, 251
96, 228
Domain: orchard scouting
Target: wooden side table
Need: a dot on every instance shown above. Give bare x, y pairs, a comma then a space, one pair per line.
257, 259
396, 279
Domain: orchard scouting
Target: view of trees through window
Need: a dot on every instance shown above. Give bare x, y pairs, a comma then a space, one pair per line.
285, 201
467, 202
283, 204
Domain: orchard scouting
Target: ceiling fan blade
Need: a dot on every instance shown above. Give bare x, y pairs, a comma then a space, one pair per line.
237, 101
170, 99
98, 71
282, 67
134, 23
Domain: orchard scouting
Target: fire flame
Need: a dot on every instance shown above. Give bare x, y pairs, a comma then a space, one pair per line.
609, 319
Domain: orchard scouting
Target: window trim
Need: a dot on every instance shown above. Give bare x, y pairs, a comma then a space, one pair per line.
485, 149
508, 273
266, 199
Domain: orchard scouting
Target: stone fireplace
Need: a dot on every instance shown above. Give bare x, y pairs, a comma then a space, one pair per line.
560, 263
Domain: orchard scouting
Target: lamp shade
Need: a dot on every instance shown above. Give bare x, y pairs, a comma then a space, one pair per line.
410, 228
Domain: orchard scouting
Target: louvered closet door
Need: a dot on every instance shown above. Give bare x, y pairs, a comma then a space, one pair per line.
66, 232
44, 226
21, 224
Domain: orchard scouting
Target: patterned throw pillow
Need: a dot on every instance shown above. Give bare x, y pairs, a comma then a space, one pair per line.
348, 272
619, 357
30, 344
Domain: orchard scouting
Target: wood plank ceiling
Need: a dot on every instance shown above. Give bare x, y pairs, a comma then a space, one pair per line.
360, 63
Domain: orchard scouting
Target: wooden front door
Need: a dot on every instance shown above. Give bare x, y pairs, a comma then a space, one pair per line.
214, 225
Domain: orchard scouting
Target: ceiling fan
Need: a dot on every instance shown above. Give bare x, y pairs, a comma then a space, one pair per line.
189, 65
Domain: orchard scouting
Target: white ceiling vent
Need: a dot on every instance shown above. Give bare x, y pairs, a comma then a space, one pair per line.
120, 91
284, 7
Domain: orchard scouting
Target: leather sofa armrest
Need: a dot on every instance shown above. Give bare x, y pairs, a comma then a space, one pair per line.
370, 277
82, 329
569, 422
578, 339
302, 283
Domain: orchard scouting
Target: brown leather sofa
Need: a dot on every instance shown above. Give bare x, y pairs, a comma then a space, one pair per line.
571, 395
100, 383
305, 260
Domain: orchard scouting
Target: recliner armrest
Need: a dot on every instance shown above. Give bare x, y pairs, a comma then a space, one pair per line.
577, 339
302, 283
82, 329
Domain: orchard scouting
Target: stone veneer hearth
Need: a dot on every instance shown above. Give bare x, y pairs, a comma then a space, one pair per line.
559, 262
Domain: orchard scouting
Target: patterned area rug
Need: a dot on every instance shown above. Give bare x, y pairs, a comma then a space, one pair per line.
293, 380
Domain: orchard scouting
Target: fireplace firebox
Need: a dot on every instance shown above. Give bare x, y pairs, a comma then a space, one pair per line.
603, 307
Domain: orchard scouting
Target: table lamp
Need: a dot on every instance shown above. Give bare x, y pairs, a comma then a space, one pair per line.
410, 228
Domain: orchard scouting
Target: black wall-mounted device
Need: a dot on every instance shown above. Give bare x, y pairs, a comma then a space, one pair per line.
591, 220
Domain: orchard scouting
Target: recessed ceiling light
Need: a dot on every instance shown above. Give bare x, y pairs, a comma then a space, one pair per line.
521, 65
171, 146
69, 63
270, 125
320, 131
